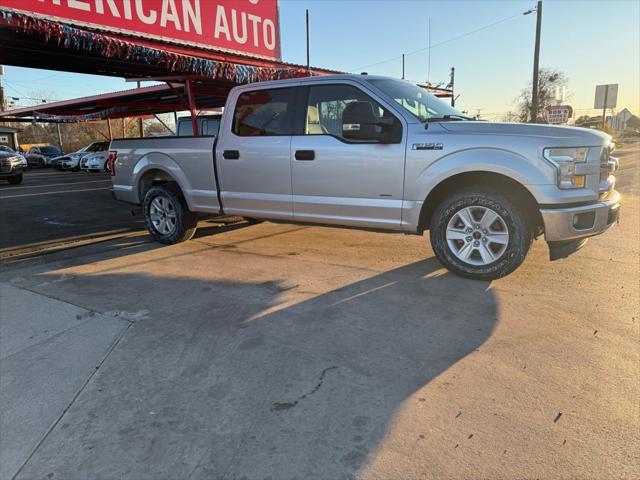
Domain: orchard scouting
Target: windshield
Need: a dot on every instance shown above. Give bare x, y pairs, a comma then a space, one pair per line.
4, 148
50, 150
416, 100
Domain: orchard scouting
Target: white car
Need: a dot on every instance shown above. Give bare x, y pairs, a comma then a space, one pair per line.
72, 160
95, 162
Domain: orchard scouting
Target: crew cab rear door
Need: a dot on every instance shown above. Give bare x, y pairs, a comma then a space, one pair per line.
253, 153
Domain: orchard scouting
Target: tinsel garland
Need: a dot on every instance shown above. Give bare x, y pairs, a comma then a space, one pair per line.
95, 43
101, 115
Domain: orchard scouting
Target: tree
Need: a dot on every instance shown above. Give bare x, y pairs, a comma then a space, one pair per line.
548, 80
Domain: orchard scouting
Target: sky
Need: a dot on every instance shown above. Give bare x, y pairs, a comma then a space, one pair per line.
593, 42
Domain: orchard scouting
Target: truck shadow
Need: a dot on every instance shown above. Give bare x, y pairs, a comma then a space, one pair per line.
225, 379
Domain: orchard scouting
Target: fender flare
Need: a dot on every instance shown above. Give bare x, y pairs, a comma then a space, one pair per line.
490, 160
162, 162
510, 165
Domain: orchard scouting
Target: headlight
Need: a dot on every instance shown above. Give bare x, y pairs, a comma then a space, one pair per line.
15, 161
565, 159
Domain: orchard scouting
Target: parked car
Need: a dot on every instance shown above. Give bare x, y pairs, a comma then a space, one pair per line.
207, 125
72, 160
5, 148
41, 156
375, 152
10, 166
96, 162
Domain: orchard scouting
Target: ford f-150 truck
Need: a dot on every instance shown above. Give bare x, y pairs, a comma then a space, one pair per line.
378, 153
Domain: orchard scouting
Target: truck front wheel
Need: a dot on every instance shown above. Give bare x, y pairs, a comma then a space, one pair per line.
15, 180
480, 234
167, 216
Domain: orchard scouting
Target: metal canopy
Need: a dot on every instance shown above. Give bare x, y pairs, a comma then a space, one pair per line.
128, 103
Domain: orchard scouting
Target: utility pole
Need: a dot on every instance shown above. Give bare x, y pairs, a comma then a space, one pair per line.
604, 107
59, 136
451, 84
308, 56
403, 66
429, 55
536, 62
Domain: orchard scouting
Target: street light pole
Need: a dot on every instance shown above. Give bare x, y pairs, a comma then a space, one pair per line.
536, 61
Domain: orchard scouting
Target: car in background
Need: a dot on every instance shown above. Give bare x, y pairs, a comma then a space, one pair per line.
95, 162
72, 160
41, 156
207, 125
5, 148
10, 167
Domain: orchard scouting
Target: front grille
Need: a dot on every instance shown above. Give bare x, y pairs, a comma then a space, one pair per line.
5, 164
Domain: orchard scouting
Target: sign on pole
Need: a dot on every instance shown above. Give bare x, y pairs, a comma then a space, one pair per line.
247, 27
558, 114
606, 96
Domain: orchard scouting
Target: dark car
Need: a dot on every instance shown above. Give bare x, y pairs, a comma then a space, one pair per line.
40, 157
10, 167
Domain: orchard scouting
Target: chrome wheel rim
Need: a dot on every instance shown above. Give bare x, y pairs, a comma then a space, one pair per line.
163, 215
477, 235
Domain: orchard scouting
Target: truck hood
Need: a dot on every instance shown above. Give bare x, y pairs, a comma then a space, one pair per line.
584, 136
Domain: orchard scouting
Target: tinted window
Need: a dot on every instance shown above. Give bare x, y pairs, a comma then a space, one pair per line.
326, 104
50, 150
185, 128
210, 126
264, 112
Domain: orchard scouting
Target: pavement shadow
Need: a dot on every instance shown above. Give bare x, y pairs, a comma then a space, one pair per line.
216, 379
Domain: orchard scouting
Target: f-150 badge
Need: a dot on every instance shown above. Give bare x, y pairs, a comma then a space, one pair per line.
427, 146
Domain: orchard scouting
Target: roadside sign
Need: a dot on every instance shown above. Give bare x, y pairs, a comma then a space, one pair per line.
246, 27
606, 96
558, 114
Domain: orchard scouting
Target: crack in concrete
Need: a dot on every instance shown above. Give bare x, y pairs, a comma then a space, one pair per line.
280, 406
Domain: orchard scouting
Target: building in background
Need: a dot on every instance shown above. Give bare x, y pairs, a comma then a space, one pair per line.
620, 121
9, 137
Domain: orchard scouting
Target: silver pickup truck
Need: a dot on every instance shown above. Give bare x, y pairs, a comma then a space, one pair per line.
378, 153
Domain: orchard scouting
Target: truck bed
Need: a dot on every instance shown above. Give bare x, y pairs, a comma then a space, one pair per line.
187, 160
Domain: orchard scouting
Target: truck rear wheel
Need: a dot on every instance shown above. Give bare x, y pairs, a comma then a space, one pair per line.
167, 216
480, 234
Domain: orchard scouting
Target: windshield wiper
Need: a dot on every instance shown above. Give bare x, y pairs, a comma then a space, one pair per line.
448, 118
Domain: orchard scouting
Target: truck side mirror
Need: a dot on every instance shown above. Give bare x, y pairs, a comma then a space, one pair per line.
359, 122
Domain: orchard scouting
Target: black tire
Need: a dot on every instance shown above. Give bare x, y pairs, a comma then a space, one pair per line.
520, 234
15, 180
186, 221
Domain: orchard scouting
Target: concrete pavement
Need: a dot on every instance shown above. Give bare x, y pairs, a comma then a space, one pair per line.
285, 351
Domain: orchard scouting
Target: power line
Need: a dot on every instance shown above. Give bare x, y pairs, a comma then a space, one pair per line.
440, 43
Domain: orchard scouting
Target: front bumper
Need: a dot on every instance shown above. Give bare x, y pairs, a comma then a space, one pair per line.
10, 170
575, 223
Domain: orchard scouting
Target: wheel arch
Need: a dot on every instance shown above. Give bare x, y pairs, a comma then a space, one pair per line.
498, 182
154, 176
155, 168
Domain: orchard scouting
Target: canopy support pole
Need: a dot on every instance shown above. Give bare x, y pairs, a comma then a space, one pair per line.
164, 124
109, 127
192, 109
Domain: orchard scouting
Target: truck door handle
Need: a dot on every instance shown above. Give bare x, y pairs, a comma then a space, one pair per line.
305, 155
231, 154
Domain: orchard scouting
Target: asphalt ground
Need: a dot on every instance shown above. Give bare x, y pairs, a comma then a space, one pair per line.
285, 351
50, 208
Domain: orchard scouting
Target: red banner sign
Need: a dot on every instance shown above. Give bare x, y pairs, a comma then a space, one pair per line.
241, 26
